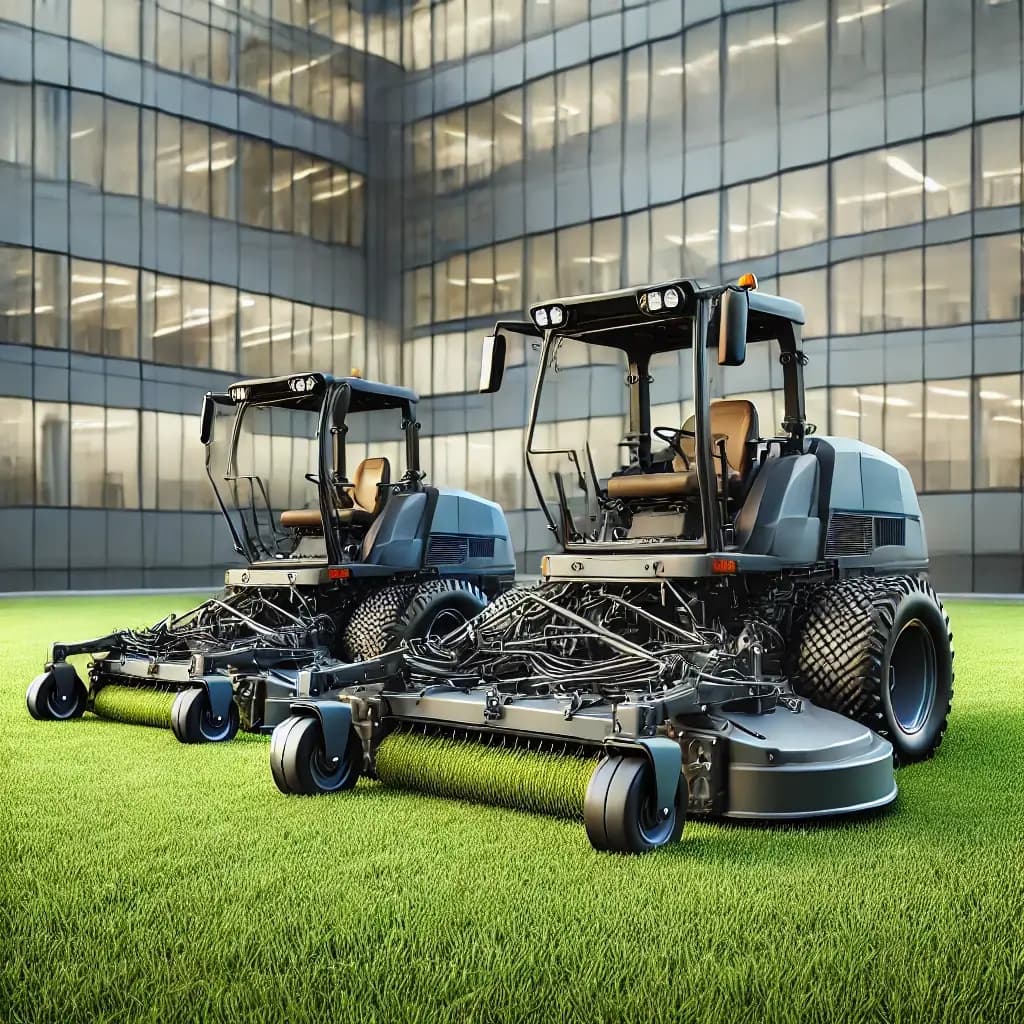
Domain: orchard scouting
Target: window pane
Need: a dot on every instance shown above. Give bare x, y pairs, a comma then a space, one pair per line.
223, 160
508, 276
999, 164
1000, 461
903, 289
88, 444
947, 440
256, 183
121, 149
120, 299
51, 132
87, 138
15, 295
803, 212
223, 314
52, 446
254, 334
87, 306
168, 160
121, 480
948, 283
997, 263
51, 300
948, 185
195, 182
16, 470
121, 18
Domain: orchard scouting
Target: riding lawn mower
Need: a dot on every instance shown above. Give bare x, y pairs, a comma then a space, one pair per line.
338, 569
735, 625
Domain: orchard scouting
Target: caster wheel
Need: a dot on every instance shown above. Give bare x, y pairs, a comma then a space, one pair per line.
299, 763
47, 704
193, 721
620, 811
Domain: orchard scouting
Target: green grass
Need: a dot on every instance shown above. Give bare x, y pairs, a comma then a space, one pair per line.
141, 879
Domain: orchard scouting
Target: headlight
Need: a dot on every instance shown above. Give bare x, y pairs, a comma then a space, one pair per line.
653, 302
550, 316
671, 298
239, 394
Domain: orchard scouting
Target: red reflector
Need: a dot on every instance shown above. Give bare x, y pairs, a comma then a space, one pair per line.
723, 565
334, 573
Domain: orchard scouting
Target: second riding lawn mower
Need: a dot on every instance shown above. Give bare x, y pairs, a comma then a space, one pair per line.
339, 568
737, 625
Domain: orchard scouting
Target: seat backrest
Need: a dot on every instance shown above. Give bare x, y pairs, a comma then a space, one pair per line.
735, 419
368, 475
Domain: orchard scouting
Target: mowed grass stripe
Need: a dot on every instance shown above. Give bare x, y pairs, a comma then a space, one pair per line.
141, 879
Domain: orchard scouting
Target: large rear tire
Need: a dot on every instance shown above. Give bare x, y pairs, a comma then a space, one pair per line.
394, 614
879, 650
620, 811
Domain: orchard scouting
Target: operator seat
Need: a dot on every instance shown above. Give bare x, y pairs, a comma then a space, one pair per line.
732, 419
364, 492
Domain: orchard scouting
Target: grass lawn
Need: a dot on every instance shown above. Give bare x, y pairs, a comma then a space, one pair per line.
144, 879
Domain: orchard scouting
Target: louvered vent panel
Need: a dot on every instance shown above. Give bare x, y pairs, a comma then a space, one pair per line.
849, 533
444, 550
481, 547
890, 530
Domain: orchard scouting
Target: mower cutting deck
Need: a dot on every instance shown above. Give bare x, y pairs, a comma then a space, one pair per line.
338, 570
736, 626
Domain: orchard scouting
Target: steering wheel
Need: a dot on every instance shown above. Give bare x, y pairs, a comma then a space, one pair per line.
672, 437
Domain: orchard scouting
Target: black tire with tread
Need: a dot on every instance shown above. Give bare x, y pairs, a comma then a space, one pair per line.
618, 809
845, 652
192, 719
394, 614
298, 760
41, 700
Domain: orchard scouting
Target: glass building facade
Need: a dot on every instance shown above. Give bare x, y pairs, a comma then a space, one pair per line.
195, 191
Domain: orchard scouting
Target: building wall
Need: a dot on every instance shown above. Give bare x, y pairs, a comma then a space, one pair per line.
863, 158
196, 191
184, 202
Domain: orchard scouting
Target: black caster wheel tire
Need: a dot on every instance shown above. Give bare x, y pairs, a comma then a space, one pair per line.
193, 721
46, 704
299, 763
620, 811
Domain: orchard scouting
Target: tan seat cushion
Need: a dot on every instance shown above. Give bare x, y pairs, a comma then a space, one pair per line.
364, 494
652, 485
302, 519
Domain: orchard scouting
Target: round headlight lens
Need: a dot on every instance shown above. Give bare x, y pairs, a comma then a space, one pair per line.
557, 315
541, 316
671, 298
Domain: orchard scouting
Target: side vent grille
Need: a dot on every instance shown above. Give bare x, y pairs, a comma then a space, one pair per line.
481, 547
849, 533
444, 550
859, 533
890, 530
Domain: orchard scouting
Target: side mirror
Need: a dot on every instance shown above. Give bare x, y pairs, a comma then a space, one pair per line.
492, 363
732, 328
206, 419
